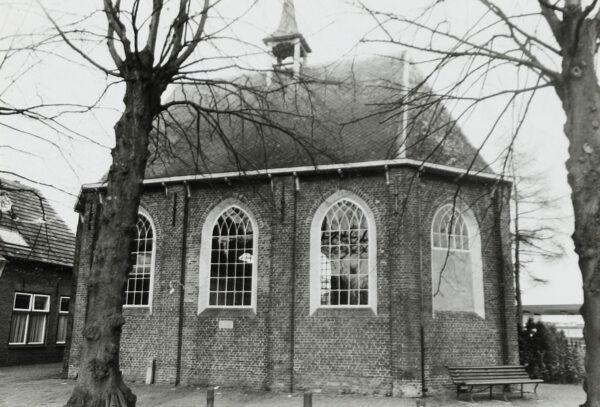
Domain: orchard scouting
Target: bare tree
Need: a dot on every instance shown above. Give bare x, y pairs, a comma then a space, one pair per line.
536, 227
551, 44
151, 47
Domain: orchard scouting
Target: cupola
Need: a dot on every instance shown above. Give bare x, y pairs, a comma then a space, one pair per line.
287, 45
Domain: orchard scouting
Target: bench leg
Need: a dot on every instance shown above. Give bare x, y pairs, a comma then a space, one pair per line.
471, 394
521, 390
535, 389
504, 395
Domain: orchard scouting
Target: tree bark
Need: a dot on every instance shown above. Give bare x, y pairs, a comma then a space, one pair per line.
580, 96
99, 382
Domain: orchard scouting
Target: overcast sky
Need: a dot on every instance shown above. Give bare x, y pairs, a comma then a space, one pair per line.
333, 29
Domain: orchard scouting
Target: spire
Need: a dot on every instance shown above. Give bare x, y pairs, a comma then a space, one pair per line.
287, 21
287, 41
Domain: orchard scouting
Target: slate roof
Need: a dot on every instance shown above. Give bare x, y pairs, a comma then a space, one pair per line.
344, 112
47, 242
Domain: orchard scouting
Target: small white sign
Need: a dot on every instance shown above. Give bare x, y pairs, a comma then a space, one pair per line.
225, 324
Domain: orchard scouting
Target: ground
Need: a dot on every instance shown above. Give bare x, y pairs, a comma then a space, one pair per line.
40, 385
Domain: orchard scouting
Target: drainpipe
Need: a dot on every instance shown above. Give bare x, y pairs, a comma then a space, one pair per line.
293, 293
421, 296
186, 198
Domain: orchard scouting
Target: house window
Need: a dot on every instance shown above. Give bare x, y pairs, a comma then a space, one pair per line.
457, 281
30, 314
138, 291
232, 260
63, 316
343, 252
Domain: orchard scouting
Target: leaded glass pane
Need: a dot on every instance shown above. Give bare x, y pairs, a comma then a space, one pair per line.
344, 255
137, 289
449, 230
451, 261
232, 260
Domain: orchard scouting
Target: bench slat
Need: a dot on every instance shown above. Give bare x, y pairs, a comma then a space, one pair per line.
485, 367
482, 382
474, 375
489, 376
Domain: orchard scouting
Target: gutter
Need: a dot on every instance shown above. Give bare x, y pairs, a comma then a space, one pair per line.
459, 173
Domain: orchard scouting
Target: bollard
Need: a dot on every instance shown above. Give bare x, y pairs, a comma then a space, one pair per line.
210, 398
307, 399
420, 402
150, 371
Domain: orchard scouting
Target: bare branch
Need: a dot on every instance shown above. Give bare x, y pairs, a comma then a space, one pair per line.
154, 24
75, 48
549, 13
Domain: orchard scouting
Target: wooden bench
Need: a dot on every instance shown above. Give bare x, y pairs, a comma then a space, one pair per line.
467, 377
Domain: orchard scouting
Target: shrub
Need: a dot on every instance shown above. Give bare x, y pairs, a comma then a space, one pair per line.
547, 354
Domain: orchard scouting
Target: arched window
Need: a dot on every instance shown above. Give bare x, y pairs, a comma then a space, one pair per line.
343, 254
232, 260
138, 291
457, 281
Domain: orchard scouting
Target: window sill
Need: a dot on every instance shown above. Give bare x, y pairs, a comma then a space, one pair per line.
27, 346
360, 312
462, 314
136, 310
227, 313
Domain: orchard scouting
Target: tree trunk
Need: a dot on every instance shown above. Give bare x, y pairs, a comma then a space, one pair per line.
580, 96
99, 383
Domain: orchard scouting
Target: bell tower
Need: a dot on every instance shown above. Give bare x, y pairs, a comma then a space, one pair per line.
287, 45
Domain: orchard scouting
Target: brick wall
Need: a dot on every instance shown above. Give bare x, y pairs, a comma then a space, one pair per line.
280, 344
34, 278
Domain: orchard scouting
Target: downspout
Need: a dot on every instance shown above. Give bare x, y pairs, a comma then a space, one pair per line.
498, 204
73, 296
391, 265
293, 293
186, 198
421, 296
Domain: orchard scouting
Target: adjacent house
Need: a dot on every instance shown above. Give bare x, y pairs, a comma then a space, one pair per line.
565, 317
364, 254
36, 263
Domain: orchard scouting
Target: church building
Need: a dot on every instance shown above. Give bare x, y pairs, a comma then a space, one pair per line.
362, 245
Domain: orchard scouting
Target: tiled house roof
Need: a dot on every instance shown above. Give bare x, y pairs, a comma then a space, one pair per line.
347, 112
25, 235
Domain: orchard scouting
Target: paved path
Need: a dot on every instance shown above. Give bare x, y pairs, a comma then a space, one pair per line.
40, 385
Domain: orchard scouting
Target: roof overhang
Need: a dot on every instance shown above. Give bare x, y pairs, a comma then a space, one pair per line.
552, 309
445, 170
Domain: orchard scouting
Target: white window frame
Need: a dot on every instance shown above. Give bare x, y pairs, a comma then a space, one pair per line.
145, 214
64, 314
315, 252
205, 256
474, 239
28, 312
